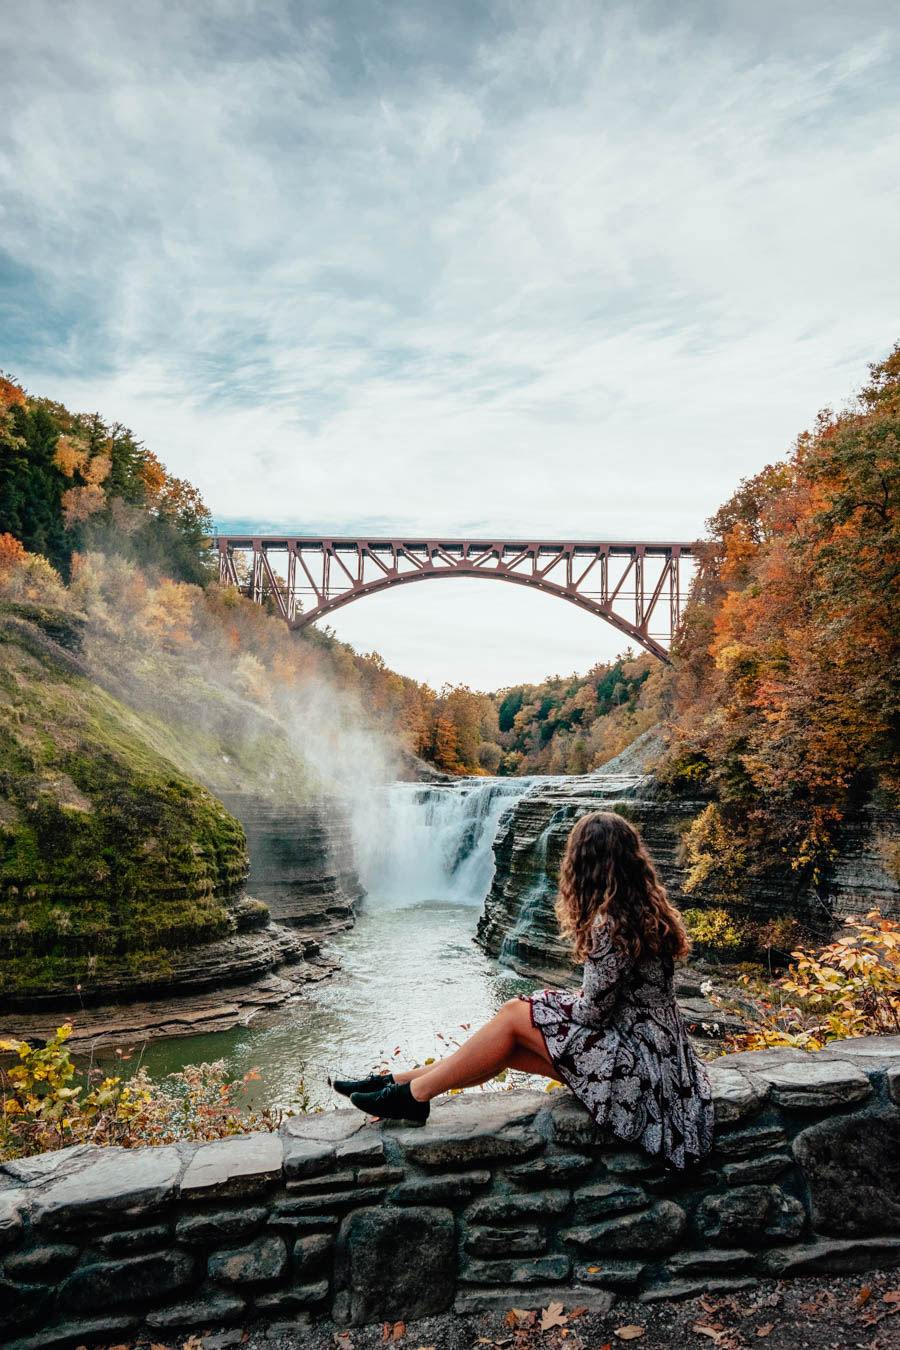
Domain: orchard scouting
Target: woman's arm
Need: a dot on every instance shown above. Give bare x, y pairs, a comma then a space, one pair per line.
604, 970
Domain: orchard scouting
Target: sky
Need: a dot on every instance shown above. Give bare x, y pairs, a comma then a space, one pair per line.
454, 267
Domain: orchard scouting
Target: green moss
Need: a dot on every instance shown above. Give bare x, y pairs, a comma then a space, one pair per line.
110, 858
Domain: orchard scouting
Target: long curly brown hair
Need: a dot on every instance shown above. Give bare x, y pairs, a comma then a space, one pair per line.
607, 875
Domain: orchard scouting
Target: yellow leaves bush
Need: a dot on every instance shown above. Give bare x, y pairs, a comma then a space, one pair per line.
42, 1108
851, 987
28, 576
714, 928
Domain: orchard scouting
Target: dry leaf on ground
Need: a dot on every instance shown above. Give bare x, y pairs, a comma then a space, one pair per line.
766, 1329
629, 1333
553, 1316
385, 1332
704, 1329
892, 1296
399, 1330
864, 1295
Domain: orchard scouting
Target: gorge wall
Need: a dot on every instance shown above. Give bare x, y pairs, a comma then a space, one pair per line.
518, 923
301, 860
122, 874
503, 1198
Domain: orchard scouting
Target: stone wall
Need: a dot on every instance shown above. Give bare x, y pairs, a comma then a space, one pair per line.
502, 1199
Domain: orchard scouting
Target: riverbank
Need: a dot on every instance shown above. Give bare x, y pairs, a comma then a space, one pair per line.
141, 1023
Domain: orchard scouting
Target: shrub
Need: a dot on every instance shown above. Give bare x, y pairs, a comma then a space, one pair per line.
42, 1107
714, 929
851, 987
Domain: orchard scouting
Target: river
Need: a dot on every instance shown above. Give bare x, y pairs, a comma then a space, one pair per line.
412, 982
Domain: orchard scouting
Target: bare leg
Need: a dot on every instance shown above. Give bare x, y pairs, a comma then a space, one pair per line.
525, 1061
506, 1038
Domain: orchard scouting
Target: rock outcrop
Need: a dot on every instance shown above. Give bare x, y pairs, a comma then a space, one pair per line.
519, 926
512, 1198
122, 877
301, 860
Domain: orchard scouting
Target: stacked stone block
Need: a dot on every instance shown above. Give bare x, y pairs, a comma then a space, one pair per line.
511, 1198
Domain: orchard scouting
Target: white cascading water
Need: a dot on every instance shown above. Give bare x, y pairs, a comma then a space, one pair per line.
434, 842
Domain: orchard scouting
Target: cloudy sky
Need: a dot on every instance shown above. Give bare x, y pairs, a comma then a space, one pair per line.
456, 266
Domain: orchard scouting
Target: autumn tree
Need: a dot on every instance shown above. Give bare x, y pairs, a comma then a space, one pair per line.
787, 673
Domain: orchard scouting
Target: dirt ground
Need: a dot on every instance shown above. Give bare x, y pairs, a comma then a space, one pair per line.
855, 1312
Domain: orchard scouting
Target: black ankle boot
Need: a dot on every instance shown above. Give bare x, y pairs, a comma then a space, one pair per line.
371, 1084
393, 1102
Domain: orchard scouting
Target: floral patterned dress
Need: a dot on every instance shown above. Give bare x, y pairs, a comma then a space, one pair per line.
620, 1044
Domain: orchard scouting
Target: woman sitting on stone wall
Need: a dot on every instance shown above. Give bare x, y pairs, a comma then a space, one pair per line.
619, 1042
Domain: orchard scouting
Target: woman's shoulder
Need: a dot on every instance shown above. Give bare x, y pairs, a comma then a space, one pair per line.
604, 945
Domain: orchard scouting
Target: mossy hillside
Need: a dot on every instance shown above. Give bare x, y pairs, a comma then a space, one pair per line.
194, 719
110, 858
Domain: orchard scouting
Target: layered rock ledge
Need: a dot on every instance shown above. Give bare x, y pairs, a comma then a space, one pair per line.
518, 923
301, 859
510, 1197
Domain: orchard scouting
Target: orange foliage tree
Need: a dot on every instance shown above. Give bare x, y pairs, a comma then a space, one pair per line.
787, 677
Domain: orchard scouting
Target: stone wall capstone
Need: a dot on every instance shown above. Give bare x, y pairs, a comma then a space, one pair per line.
502, 1199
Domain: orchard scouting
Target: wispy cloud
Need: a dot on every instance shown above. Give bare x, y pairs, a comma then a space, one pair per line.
574, 267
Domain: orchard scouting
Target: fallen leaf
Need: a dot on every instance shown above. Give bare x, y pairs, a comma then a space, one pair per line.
702, 1329
484, 1340
892, 1296
399, 1331
628, 1333
154, 1345
553, 1316
765, 1330
385, 1333
578, 1312
864, 1295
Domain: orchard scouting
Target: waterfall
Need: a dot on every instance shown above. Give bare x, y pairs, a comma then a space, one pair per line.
433, 842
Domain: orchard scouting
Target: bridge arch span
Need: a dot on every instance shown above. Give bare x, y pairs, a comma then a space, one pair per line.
637, 587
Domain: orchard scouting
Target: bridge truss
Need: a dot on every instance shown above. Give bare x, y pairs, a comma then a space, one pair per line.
639, 588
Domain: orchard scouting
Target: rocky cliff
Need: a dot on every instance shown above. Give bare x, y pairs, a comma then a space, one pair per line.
122, 877
301, 857
518, 923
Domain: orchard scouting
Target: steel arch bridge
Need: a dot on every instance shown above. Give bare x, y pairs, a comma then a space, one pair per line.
638, 587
